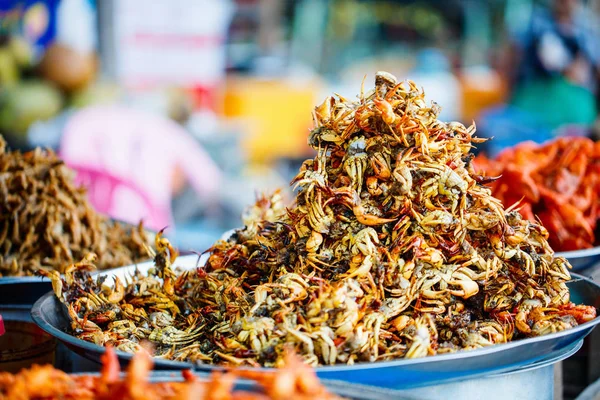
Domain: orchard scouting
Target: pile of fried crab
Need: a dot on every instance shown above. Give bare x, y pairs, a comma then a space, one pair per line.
393, 248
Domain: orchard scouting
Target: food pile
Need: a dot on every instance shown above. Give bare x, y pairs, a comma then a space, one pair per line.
294, 381
557, 182
394, 248
47, 222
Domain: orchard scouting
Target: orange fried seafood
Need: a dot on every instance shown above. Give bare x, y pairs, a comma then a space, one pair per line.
557, 182
294, 381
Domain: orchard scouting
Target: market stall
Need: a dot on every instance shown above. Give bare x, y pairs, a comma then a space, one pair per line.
288, 220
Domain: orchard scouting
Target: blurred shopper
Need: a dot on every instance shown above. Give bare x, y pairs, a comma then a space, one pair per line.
555, 68
132, 162
559, 65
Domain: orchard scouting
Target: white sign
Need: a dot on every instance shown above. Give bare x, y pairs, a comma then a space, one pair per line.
172, 42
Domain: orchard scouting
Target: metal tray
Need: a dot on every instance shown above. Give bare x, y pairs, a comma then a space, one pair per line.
49, 314
582, 259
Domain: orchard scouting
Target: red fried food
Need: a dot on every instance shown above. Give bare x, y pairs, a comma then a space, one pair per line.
294, 381
557, 183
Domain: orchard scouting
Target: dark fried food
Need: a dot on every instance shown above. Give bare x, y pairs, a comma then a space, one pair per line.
294, 381
393, 249
46, 221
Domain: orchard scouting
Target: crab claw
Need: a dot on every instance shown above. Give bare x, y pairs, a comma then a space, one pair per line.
57, 283
467, 289
162, 244
521, 322
367, 219
86, 264
118, 293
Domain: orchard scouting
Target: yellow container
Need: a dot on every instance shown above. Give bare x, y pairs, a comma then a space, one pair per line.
278, 115
481, 90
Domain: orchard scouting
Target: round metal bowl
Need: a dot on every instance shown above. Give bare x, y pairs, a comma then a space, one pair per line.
50, 315
582, 259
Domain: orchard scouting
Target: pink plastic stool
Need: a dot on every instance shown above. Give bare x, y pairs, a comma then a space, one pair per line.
103, 189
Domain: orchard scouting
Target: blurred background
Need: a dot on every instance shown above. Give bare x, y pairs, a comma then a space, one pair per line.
181, 111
